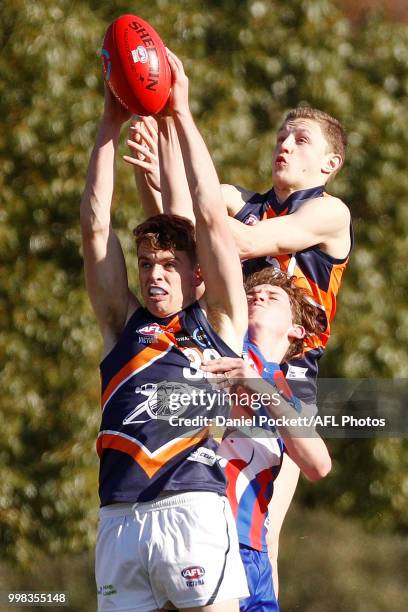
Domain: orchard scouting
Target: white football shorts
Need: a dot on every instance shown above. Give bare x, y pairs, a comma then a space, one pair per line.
177, 551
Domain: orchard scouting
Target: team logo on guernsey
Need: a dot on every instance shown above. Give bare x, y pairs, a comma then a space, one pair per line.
193, 575
159, 402
199, 337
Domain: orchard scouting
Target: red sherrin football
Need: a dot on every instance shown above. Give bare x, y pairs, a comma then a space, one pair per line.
135, 65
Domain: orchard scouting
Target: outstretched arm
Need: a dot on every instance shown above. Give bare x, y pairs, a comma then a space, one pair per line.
302, 442
322, 222
155, 143
220, 267
175, 188
105, 270
143, 144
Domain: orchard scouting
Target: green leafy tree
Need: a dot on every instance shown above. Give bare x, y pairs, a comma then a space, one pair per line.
248, 62
48, 405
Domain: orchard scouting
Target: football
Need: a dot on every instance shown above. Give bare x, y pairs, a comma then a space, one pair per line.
135, 65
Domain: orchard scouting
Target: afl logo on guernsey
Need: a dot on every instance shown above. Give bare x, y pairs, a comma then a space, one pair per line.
251, 220
152, 329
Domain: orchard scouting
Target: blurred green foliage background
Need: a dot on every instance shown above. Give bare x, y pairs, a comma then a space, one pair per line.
248, 62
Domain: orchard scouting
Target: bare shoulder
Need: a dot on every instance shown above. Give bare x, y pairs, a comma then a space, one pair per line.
112, 327
230, 330
329, 219
133, 305
235, 197
327, 207
338, 206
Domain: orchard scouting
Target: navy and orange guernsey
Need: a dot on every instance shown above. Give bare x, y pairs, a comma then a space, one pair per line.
315, 270
151, 381
253, 458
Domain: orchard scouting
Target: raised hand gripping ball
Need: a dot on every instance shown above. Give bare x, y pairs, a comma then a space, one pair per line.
135, 65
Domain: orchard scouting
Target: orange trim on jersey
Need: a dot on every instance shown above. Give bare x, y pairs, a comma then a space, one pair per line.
151, 353
149, 462
271, 214
327, 299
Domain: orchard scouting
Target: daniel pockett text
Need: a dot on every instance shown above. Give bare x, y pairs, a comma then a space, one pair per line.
300, 421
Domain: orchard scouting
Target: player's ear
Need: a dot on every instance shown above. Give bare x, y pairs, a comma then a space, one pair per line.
297, 332
332, 162
197, 278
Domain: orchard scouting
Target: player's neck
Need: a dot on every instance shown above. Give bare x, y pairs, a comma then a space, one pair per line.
272, 349
164, 314
284, 192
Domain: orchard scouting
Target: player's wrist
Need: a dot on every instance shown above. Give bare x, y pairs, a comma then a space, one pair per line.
182, 113
113, 118
110, 127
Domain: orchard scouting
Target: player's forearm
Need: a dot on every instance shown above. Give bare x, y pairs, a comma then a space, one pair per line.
150, 198
250, 242
310, 454
174, 186
200, 171
303, 444
97, 197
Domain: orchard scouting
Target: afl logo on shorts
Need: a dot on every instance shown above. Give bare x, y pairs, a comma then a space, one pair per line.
193, 572
193, 575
